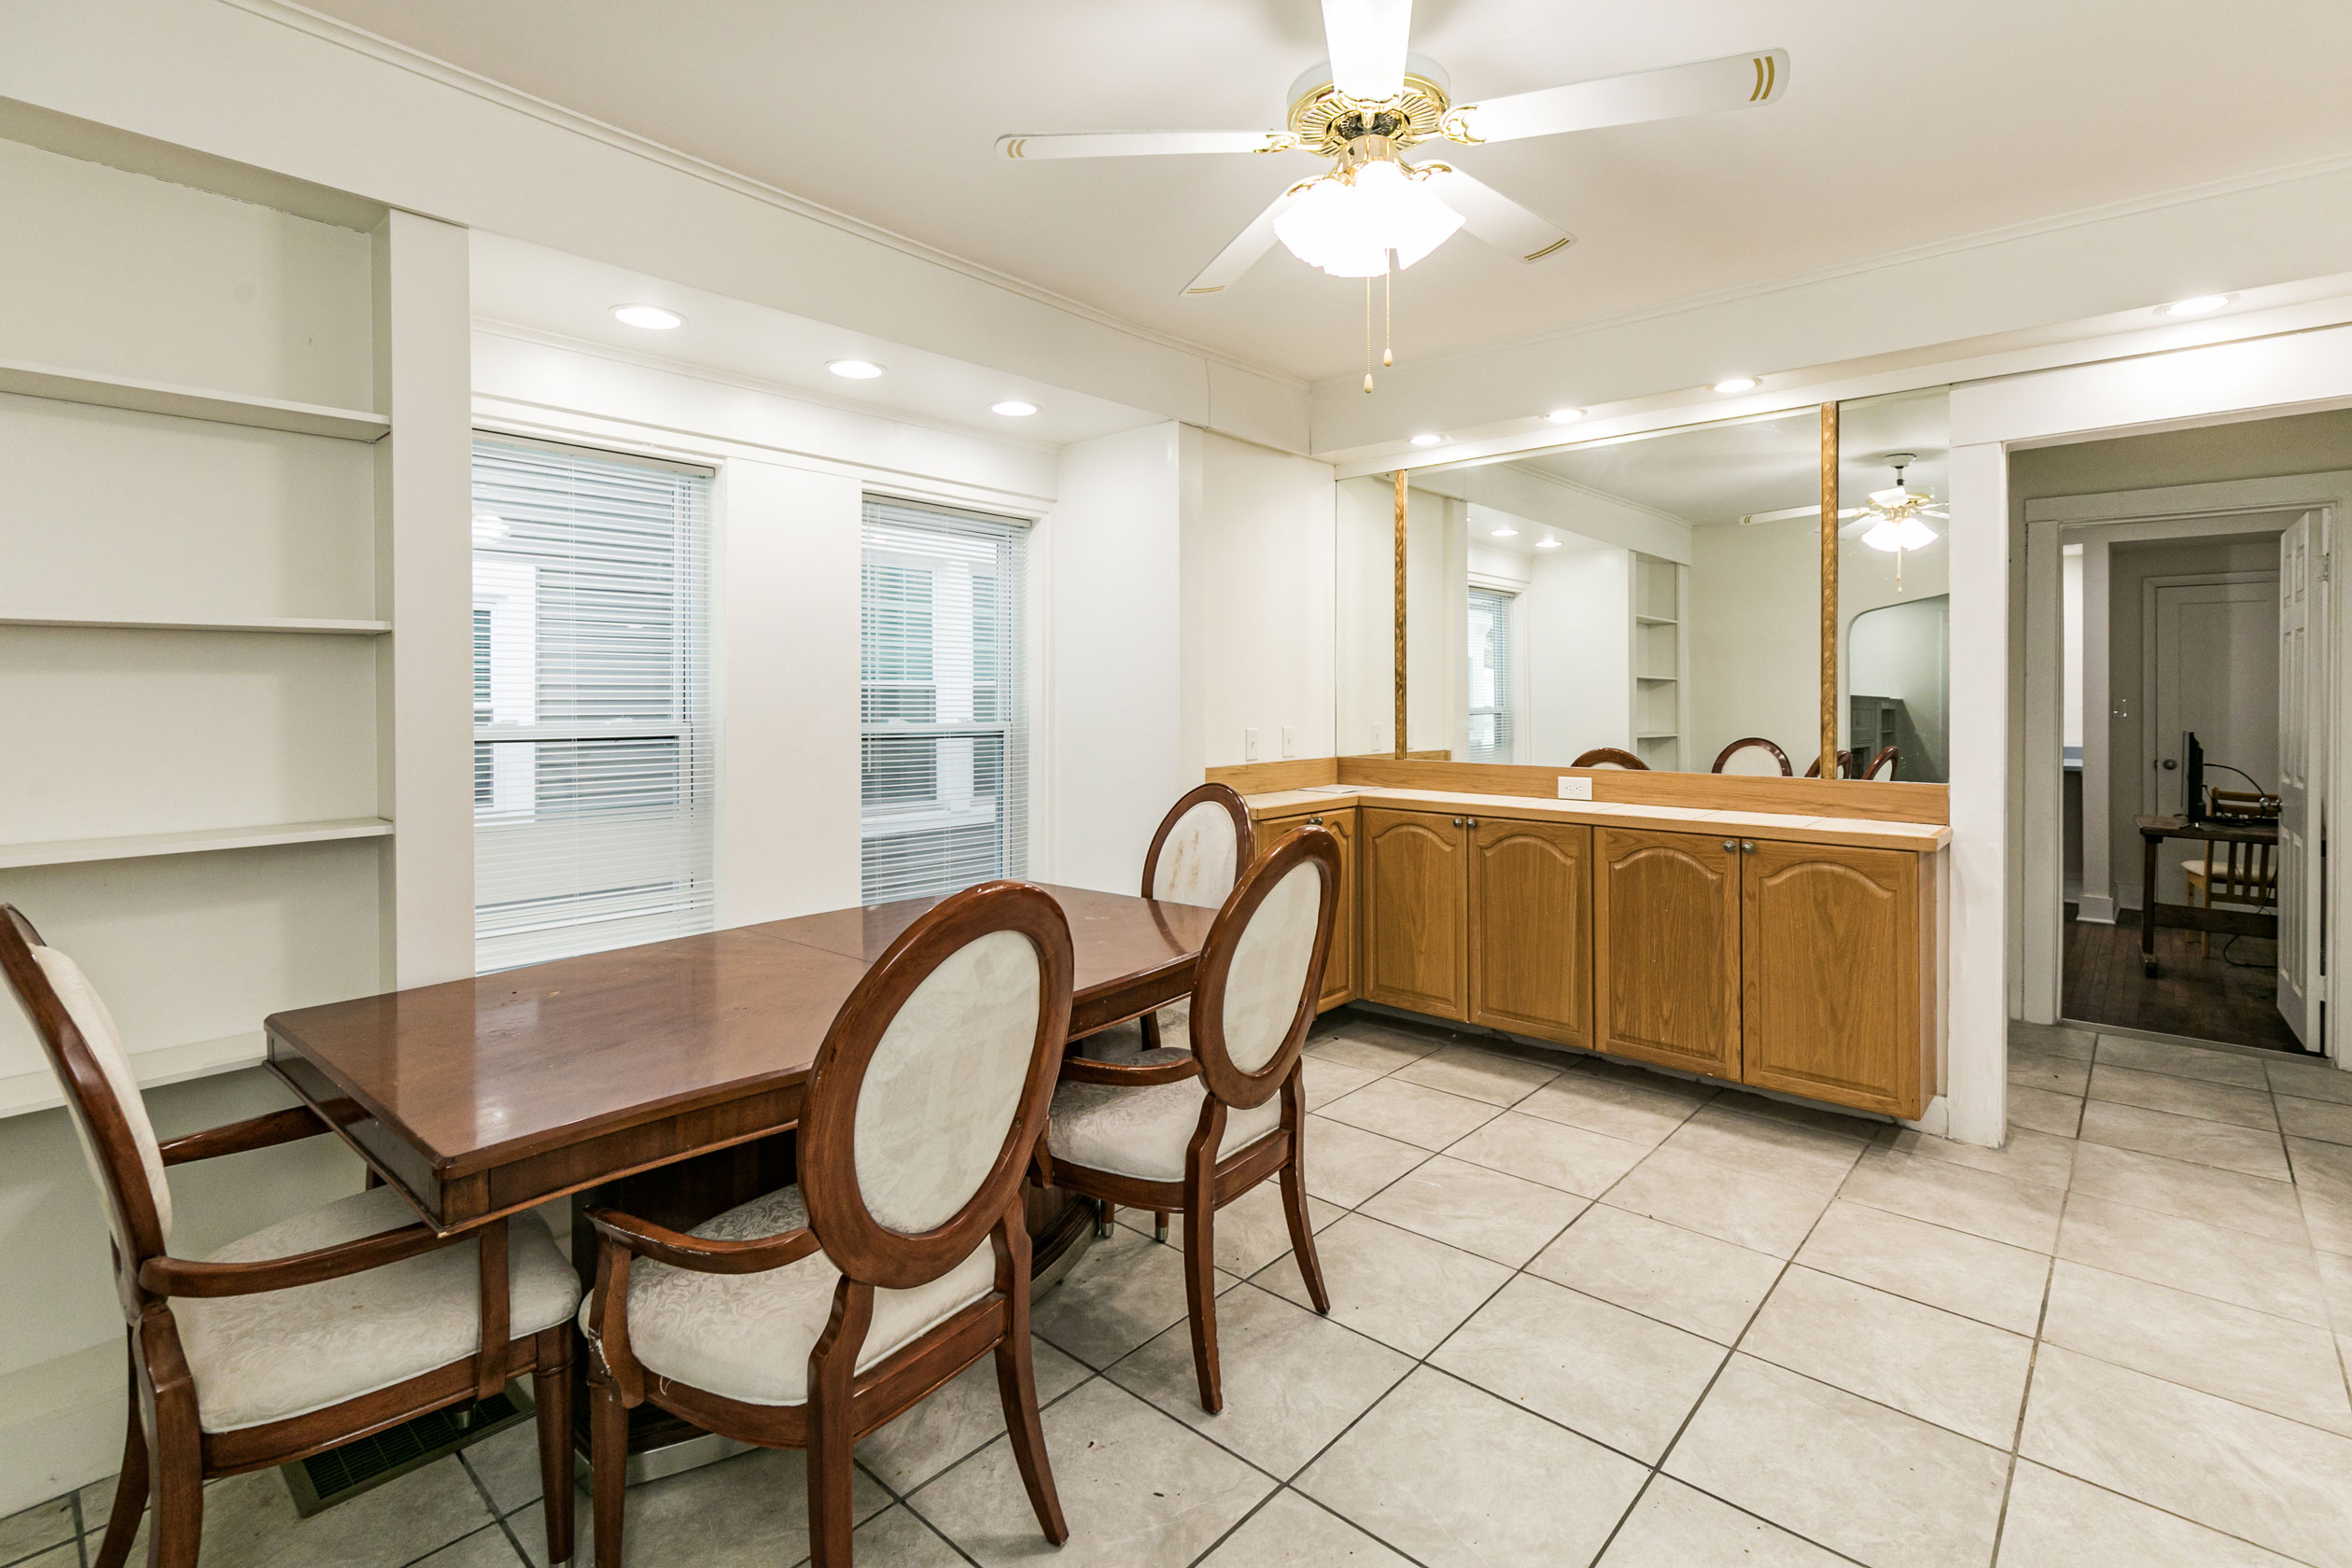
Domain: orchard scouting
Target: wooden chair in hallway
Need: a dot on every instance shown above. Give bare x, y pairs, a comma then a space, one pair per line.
2239, 873
306, 1335
811, 1316
1192, 1133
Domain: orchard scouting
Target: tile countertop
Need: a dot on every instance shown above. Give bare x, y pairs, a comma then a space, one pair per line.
1919, 837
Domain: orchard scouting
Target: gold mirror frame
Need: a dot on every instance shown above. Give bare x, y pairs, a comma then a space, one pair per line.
1828, 754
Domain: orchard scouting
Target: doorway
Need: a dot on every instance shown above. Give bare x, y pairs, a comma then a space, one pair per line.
2181, 643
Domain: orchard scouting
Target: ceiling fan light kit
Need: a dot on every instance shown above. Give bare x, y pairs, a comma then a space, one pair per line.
1370, 102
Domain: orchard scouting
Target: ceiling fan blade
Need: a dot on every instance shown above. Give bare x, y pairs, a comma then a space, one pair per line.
1493, 217
1143, 144
1367, 40
1736, 81
1246, 248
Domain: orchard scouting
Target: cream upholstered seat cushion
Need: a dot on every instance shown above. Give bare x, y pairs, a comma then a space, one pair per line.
1752, 761
263, 1358
748, 1336
1143, 1133
88, 1010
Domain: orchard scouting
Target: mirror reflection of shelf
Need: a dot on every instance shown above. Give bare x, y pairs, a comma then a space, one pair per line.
1659, 662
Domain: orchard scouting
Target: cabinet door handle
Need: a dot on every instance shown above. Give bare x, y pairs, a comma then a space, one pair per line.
1470, 821
1748, 846
1457, 822
1731, 845
1315, 821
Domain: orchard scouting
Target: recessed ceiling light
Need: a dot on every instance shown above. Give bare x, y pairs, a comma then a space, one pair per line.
1013, 408
1427, 437
1504, 533
2204, 304
1547, 544
1564, 415
653, 318
856, 369
1736, 383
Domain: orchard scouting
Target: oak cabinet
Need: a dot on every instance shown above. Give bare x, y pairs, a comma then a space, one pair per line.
1416, 936
1339, 966
1666, 949
1530, 928
1835, 1002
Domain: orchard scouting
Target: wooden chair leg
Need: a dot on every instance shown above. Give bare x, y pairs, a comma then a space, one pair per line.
608, 1463
1302, 1234
1159, 1225
552, 1393
175, 1526
1105, 1212
1201, 1284
831, 1433
131, 1487
1149, 1025
1016, 1386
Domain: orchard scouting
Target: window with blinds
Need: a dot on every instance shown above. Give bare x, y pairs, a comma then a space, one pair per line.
593, 787
944, 742
1490, 705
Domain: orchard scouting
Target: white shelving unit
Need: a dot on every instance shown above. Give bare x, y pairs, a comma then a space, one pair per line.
1660, 663
202, 562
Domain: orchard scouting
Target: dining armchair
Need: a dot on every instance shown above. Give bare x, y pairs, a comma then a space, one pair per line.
306, 1335
813, 1315
1753, 754
1202, 846
1611, 757
1192, 1133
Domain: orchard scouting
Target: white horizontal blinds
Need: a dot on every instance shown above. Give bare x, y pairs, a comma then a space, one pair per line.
943, 749
592, 783
1491, 716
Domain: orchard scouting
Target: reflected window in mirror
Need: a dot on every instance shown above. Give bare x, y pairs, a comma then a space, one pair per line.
1492, 707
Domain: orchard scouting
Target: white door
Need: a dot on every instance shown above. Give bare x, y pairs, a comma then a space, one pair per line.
2301, 756
2217, 674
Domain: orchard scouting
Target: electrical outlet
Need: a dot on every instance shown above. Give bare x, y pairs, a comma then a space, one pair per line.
1575, 789
1249, 744
1290, 740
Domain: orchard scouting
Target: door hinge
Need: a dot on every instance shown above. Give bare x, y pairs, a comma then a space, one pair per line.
2324, 562
2319, 988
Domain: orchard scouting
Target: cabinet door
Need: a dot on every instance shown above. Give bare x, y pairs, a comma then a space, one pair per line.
1415, 936
1666, 949
1832, 999
1339, 966
1530, 928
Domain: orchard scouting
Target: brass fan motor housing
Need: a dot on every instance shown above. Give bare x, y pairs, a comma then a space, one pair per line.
1326, 120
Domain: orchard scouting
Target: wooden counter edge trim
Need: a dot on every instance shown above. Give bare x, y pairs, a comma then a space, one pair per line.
1883, 801
1797, 830
1260, 779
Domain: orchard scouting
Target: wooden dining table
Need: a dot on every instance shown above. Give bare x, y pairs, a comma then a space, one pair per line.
665, 1079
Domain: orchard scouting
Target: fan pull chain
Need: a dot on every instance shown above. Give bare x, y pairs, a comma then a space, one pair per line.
1367, 334
1388, 355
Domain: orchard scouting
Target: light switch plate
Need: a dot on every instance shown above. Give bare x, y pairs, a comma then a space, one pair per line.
1290, 740
1249, 745
1575, 789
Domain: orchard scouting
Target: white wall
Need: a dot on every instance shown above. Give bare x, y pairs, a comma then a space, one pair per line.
1580, 648
1260, 604
1754, 625
1364, 690
2070, 698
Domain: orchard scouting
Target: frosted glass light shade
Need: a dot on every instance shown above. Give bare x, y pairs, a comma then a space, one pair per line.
1347, 227
1909, 534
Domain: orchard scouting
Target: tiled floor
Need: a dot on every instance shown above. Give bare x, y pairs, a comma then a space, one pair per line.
1585, 1314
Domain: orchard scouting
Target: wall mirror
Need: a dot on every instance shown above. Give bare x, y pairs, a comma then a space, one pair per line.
1894, 582
1650, 599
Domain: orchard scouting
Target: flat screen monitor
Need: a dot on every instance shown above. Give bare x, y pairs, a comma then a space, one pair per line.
2192, 777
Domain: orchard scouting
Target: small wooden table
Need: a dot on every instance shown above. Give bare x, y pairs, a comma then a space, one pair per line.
2189, 917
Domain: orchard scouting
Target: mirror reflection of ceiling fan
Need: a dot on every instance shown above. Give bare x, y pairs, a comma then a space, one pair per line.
1893, 519
1370, 102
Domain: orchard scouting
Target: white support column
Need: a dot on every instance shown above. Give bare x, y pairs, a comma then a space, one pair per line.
424, 587
1977, 1043
2044, 826
2098, 712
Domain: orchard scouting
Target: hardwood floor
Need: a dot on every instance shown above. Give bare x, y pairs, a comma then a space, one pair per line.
2192, 995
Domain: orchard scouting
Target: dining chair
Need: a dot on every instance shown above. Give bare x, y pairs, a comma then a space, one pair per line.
2245, 874
323, 1328
1845, 767
1611, 757
1201, 847
809, 1317
1753, 754
1192, 1133
1885, 763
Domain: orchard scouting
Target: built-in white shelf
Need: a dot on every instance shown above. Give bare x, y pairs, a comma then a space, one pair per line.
190, 402
1656, 621
1662, 679
23, 1093
250, 624
1659, 734
74, 851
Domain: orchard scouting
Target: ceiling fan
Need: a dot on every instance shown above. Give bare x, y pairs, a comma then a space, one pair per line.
1370, 102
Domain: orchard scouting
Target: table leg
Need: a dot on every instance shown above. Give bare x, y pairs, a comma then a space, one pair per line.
2148, 844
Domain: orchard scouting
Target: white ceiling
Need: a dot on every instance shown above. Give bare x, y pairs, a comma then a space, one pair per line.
1909, 123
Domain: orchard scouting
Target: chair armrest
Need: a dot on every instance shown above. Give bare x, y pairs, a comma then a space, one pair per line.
259, 1133
1079, 1069
702, 1255
171, 1275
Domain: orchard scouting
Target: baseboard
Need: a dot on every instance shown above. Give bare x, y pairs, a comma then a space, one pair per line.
60, 1426
2095, 911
